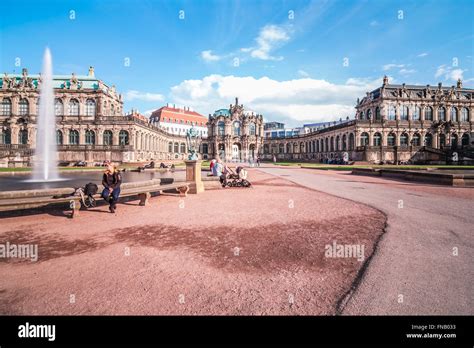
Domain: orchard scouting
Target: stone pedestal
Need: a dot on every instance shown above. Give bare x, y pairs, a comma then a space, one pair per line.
193, 176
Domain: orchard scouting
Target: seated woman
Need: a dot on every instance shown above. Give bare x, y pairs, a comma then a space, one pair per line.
112, 179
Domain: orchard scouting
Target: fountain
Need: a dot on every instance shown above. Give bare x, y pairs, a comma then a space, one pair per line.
45, 168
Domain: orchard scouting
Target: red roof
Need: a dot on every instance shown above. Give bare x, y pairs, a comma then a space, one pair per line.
176, 115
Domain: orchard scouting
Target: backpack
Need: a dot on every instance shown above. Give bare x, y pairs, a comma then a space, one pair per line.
91, 189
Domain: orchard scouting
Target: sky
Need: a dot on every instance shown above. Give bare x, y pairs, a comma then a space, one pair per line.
292, 61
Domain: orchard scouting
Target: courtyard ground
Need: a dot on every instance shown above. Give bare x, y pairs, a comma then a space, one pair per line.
225, 251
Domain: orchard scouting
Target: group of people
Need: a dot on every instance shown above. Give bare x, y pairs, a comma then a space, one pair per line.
220, 170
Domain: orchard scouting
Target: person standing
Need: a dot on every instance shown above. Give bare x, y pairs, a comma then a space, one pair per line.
112, 179
274, 159
258, 160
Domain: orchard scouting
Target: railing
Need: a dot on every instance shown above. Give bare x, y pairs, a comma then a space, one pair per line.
95, 148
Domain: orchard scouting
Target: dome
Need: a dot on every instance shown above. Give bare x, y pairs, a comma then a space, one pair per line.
222, 112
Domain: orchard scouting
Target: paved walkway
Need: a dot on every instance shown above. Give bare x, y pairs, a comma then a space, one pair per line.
413, 270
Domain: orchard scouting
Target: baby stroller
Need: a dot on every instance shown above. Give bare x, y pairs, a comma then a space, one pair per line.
237, 179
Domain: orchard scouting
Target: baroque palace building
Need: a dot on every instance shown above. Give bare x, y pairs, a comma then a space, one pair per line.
393, 123
90, 123
234, 134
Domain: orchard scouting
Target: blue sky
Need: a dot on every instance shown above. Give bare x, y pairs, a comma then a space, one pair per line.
284, 59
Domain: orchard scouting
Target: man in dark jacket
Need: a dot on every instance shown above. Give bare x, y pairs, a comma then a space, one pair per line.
111, 181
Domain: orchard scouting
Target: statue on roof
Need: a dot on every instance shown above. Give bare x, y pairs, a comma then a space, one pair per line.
6, 81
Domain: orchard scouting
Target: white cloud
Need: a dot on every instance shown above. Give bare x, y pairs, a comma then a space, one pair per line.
449, 73
424, 54
269, 38
209, 57
374, 23
303, 73
392, 66
144, 96
406, 71
292, 101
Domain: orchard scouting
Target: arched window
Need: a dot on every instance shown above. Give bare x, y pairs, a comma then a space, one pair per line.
301, 147
252, 128
364, 139
281, 148
124, 138
295, 147
377, 139
337, 147
429, 113
442, 140
326, 145
73, 107
391, 139
454, 114
236, 128
90, 107
416, 113
23, 107
465, 139
170, 147
351, 141
59, 137
369, 114
266, 148
405, 112
23, 137
58, 107
344, 142
73, 137
182, 148
454, 140
5, 136
442, 114
108, 136
428, 140
112, 110
220, 128
288, 148
464, 115
176, 147
90, 137
416, 140
404, 139
6, 107
378, 116
391, 112
362, 116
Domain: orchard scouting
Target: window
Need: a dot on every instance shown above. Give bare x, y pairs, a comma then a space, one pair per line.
454, 140
442, 114
377, 139
391, 112
364, 139
281, 148
58, 107
90, 137
442, 140
454, 114
6, 108
170, 147
416, 140
73, 137
237, 128
23, 107
405, 112
404, 139
288, 148
220, 128
123, 138
428, 140
252, 128
362, 116
5, 136
108, 138
182, 148
416, 113
377, 113
73, 107
90, 107
391, 139
23, 137
59, 137
176, 147
464, 115
465, 139
429, 113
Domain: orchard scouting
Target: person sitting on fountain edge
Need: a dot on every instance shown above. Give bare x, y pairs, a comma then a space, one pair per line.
111, 181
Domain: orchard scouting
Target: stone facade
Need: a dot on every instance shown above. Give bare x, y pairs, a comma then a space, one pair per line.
234, 134
394, 123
